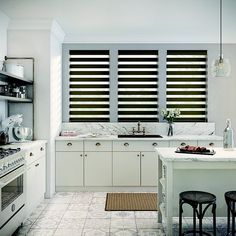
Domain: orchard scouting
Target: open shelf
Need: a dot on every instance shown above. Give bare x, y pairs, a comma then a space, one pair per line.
6, 77
14, 99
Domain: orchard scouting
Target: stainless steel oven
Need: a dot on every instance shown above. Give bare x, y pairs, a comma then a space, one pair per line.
12, 196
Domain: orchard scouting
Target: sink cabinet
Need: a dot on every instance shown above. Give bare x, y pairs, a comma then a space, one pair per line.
126, 168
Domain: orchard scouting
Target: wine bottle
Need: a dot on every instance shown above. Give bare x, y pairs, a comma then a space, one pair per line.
228, 136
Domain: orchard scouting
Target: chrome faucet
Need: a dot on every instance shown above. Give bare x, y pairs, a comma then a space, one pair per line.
138, 131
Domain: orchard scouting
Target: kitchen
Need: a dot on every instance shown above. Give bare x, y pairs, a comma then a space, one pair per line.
62, 101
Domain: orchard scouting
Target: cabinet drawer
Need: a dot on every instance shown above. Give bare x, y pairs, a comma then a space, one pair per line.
210, 143
97, 145
69, 146
183, 143
35, 153
124, 146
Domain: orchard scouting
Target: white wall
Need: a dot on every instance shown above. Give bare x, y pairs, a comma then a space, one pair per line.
3, 52
42, 44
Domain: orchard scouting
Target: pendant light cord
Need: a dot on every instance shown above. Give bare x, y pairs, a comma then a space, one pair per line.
221, 51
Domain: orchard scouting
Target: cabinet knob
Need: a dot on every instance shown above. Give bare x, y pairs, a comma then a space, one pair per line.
98, 144
37, 165
211, 144
85, 155
41, 149
81, 155
69, 144
154, 144
138, 155
31, 154
183, 144
142, 155
126, 144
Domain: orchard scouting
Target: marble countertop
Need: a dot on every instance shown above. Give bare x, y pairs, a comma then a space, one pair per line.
165, 138
221, 155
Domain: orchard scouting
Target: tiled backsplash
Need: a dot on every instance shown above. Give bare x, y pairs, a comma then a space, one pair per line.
151, 128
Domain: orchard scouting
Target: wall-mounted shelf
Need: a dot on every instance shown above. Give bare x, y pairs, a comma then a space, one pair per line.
14, 99
7, 77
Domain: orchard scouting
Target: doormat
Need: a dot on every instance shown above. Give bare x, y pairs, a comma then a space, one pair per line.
131, 202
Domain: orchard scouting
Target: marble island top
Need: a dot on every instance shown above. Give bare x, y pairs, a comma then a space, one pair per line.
165, 138
221, 155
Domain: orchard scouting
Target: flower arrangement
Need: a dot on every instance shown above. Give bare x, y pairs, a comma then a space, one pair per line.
170, 114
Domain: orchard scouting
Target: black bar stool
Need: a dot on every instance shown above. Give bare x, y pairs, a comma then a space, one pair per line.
196, 199
230, 198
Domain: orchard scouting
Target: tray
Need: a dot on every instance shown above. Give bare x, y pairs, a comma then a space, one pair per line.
212, 152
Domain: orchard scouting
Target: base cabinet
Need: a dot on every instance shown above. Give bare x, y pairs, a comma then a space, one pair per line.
69, 169
126, 168
149, 169
98, 169
35, 179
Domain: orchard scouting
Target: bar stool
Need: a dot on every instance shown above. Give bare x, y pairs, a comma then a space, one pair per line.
196, 199
230, 198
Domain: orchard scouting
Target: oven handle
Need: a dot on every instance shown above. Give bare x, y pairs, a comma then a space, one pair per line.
11, 176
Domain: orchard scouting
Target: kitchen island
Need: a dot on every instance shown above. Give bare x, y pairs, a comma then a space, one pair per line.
182, 172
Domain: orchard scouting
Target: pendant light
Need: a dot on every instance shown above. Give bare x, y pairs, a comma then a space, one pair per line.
221, 66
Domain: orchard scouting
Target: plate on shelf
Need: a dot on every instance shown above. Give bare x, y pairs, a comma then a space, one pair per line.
211, 152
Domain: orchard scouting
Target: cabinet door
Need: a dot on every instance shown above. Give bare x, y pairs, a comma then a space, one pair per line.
149, 169
126, 168
98, 169
40, 177
69, 168
30, 189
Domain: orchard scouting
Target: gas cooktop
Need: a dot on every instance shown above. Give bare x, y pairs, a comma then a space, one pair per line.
4, 152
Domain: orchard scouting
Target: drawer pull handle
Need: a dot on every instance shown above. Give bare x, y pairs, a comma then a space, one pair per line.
41, 149
98, 144
31, 154
126, 144
37, 165
69, 144
154, 144
183, 144
211, 144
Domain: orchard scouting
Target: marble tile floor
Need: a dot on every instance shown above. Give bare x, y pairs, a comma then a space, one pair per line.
83, 213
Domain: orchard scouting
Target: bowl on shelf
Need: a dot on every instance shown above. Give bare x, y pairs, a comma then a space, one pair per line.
23, 133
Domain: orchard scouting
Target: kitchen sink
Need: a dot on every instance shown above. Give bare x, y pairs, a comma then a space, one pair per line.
139, 136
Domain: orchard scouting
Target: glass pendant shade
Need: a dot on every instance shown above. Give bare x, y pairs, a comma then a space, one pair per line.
221, 67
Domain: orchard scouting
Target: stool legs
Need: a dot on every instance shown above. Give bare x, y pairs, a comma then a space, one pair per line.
194, 221
180, 216
233, 219
214, 218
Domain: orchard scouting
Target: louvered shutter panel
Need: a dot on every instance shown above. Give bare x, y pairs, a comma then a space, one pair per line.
89, 86
137, 85
187, 84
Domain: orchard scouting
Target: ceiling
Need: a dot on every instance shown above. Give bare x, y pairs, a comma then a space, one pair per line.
131, 20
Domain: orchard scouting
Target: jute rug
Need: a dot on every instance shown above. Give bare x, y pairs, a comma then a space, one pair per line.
131, 202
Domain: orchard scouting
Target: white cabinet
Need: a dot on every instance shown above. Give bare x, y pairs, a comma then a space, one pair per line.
35, 177
148, 169
97, 163
98, 168
126, 168
69, 169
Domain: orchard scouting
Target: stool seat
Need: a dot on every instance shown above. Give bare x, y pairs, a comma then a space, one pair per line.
231, 195
197, 197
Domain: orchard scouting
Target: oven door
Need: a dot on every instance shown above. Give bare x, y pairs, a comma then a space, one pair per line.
12, 194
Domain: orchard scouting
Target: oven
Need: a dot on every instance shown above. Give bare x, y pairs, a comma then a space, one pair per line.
12, 199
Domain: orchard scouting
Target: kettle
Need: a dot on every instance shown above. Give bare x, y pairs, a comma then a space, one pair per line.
4, 138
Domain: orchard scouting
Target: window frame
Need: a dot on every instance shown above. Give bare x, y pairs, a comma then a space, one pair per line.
113, 48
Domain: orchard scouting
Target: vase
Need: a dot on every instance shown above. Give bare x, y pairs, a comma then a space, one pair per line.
170, 129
